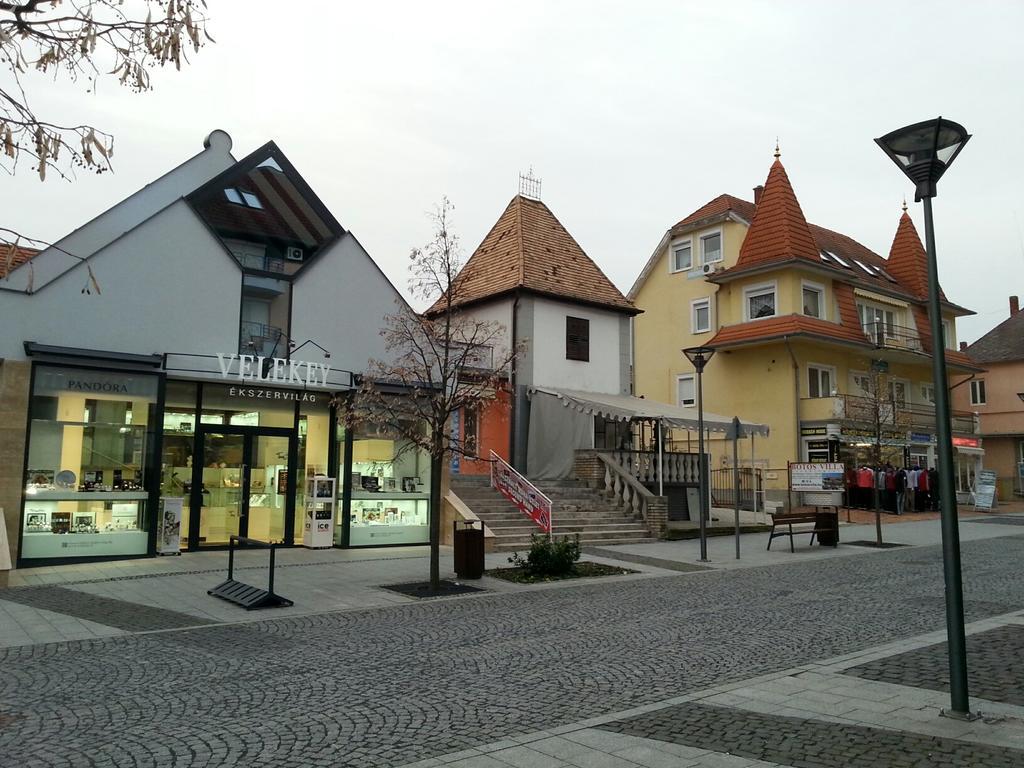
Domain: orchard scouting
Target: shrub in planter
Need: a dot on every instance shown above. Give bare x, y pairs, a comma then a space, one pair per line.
549, 557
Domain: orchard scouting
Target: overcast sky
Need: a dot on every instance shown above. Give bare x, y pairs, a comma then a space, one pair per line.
633, 114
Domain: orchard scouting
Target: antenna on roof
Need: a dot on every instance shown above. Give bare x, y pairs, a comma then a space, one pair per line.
529, 185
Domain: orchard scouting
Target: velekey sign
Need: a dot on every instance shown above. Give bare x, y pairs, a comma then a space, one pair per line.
273, 370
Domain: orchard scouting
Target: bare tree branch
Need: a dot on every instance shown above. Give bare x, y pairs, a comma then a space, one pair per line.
88, 39
447, 363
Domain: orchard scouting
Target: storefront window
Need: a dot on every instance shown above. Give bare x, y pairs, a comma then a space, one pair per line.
85, 489
314, 447
179, 421
390, 489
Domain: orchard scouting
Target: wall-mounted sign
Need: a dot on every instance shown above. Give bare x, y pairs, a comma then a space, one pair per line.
270, 394
812, 431
922, 437
57, 381
966, 442
273, 370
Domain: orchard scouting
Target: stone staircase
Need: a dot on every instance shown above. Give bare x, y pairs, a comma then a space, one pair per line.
575, 509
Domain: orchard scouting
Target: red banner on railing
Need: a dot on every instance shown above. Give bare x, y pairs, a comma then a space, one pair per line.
522, 493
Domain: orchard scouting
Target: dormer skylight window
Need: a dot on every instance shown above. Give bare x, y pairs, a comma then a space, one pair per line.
825, 257
838, 259
241, 197
868, 269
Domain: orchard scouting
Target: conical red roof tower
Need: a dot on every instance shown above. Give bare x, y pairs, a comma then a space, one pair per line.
779, 231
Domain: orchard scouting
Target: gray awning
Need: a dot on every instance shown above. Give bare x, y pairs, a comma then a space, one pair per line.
969, 451
629, 408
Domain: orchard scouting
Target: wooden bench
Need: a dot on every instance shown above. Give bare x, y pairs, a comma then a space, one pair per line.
823, 522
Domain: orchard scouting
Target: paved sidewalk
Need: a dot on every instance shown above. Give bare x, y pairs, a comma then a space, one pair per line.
84, 601
814, 716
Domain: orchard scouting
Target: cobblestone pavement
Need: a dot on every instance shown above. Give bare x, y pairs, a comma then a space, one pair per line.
994, 671
101, 610
384, 687
808, 743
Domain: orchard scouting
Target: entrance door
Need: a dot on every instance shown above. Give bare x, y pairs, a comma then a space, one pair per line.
244, 486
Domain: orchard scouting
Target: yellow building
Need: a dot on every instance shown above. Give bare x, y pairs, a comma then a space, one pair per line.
815, 334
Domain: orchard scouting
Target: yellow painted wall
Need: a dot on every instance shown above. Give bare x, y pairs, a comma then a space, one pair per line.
757, 382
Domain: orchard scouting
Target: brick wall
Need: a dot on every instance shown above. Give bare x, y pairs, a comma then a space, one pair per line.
14, 388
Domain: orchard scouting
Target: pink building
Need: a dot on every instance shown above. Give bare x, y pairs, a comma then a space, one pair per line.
997, 396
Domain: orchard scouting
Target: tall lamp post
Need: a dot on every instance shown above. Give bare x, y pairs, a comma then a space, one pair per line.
699, 357
923, 152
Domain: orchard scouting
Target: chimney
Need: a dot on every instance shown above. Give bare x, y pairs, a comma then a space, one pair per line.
963, 346
758, 190
1014, 305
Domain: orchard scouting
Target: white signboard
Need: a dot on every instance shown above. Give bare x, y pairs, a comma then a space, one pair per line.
168, 538
985, 490
816, 477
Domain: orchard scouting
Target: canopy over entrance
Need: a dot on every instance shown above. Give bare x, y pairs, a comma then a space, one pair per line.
629, 408
562, 422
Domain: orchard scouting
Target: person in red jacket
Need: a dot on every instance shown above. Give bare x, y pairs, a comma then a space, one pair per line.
923, 492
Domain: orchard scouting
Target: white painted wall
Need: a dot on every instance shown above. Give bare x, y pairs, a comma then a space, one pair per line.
340, 302
603, 373
125, 216
500, 314
167, 286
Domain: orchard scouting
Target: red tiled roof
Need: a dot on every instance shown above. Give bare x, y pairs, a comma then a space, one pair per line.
824, 239
11, 259
908, 262
779, 231
528, 248
720, 205
787, 325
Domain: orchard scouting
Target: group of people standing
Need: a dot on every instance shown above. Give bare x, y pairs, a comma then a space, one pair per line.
899, 490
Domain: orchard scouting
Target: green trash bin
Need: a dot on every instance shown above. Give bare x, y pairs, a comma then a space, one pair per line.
468, 544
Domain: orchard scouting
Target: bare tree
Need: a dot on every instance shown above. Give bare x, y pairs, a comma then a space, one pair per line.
882, 417
442, 362
83, 40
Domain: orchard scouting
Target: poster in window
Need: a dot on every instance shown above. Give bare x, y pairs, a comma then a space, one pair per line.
282, 481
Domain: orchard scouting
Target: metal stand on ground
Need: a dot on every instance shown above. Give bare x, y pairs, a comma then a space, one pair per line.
245, 595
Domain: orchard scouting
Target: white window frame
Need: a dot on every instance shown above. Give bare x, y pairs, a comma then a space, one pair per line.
947, 334
755, 290
978, 393
907, 391
806, 285
818, 369
927, 390
693, 378
694, 305
855, 388
672, 255
721, 246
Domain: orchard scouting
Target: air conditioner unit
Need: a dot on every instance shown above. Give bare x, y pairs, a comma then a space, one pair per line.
294, 254
710, 269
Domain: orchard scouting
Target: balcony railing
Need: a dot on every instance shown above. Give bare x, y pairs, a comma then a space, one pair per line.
259, 338
902, 415
263, 263
887, 336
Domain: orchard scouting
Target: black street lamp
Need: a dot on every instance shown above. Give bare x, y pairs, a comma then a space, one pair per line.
699, 357
923, 152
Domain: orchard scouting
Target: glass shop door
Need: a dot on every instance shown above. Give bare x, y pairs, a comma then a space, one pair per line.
244, 489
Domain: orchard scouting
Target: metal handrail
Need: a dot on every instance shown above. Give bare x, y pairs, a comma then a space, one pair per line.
546, 522
883, 334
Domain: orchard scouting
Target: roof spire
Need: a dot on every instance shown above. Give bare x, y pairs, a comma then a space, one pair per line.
777, 152
529, 185
904, 203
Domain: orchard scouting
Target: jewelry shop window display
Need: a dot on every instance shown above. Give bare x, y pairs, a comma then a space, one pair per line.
390, 490
314, 452
179, 419
85, 484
